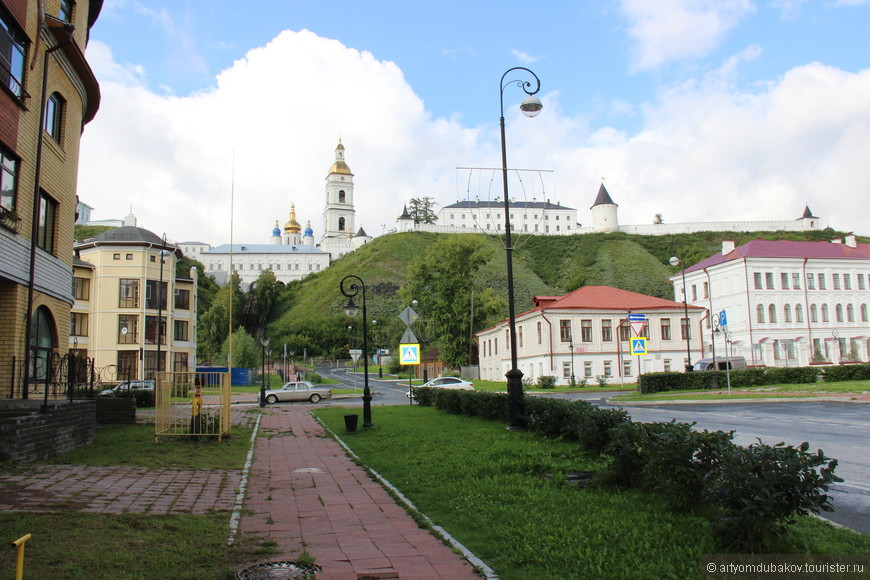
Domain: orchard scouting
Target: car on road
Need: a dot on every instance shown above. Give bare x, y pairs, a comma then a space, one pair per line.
127, 387
298, 391
446, 383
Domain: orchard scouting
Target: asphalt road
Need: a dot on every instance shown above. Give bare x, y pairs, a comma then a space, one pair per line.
841, 430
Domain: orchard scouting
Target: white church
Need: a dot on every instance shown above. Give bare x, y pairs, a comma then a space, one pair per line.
292, 253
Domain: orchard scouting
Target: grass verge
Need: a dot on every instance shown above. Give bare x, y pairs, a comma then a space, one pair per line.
790, 391
505, 496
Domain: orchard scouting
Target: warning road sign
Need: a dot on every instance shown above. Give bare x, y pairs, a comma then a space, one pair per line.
638, 345
410, 354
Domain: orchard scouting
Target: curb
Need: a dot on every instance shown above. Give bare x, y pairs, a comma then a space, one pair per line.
617, 403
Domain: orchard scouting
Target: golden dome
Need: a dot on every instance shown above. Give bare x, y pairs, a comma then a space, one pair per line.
340, 167
292, 226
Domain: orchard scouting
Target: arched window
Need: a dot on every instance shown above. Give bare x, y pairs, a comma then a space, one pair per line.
825, 316
43, 341
814, 313
341, 224
838, 312
771, 311
850, 313
798, 313
759, 313
341, 196
863, 313
786, 313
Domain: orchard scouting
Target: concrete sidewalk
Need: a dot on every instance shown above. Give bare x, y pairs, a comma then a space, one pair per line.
305, 494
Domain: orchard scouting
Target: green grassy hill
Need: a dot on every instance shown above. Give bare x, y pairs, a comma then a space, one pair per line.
310, 312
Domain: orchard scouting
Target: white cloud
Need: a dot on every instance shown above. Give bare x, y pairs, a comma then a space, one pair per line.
705, 151
671, 30
524, 57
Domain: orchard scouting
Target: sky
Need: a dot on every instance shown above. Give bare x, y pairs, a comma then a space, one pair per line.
217, 115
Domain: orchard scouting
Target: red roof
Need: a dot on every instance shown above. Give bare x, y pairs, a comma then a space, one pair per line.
605, 298
787, 249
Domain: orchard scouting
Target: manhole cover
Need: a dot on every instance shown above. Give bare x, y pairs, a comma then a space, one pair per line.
308, 470
277, 571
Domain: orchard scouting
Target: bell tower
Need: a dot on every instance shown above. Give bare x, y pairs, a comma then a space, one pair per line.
338, 213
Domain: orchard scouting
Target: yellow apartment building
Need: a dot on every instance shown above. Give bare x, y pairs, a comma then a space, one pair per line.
133, 314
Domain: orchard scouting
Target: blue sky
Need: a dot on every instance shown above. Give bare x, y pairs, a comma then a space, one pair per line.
728, 109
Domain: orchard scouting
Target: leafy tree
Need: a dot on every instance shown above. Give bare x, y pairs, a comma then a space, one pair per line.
206, 287
214, 325
262, 300
442, 282
422, 209
247, 352
658, 219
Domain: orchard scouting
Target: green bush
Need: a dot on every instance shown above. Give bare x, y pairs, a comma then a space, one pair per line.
847, 373
546, 382
792, 375
759, 489
755, 377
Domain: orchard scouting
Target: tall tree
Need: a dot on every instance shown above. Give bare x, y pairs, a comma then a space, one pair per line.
262, 298
442, 282
214, 325
422, 209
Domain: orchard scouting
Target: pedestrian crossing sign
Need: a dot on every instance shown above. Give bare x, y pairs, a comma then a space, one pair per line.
638, 345
410, 354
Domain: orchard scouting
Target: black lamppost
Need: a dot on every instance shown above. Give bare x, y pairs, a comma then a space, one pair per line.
573, 378
161, 298
530, 107
351, 309
675, 261
265, 343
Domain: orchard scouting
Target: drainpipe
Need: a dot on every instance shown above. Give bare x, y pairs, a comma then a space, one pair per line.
549, 335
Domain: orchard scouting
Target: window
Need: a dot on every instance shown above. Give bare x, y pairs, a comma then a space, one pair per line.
13, 47
838, 313
341, 224
768, 280
180, 330
706, 289
624, 330
759, 313
685, 329
771, 312
128, 364
54, 111
155, 295
847, 282
587, 369
757, 277
507, 339
798, 313
81, 288
128, 293
825, 317
586, 330
47, 221
835, 279
66, 10
566, 370
128, 329
182, 299
666, 328
786, 313
796, 281
863, 313
151, 330
822, 285
341, 197
811, 282
78, 324
667, 363
42, 345
8, 174
179, 362
520, 336
814, 313
540, 338
850, 313
606, 330
565, 330
608, 372
861, 282
128, 256
783, 280
626, 367
694, 293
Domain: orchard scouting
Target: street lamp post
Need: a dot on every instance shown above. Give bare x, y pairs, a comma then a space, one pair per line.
530, 107
354, 287
265, 343
573, 379
675, 261
161, 298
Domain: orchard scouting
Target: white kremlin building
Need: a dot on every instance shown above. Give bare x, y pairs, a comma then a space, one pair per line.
292, 254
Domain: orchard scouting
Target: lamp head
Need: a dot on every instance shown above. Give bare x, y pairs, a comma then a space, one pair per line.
351, 309
265, 342
675, 261
531, 106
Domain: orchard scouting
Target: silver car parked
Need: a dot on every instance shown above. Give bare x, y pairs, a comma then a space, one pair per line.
298, 391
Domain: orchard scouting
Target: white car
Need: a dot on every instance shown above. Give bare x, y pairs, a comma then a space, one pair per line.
446, 383
298, 391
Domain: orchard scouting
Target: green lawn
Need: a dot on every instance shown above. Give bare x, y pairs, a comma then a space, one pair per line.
503, 494
769, 391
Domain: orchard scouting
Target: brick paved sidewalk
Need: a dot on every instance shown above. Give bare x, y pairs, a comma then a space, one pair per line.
304, 493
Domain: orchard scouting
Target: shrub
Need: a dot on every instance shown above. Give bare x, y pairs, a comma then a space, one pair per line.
579, 421
601, 380
546, 382
791, 375
758, 489
847, 373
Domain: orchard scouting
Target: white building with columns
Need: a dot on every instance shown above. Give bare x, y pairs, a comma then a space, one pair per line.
786, 303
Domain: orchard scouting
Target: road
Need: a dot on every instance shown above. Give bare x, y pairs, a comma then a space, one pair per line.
841, 430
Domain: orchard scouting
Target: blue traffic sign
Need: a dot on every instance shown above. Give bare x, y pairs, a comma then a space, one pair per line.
638, 345
636, 317
723, 321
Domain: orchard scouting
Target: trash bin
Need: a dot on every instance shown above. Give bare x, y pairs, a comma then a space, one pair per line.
350, 422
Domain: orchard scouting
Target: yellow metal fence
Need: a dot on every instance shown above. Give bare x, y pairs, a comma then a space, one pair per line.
192, 405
